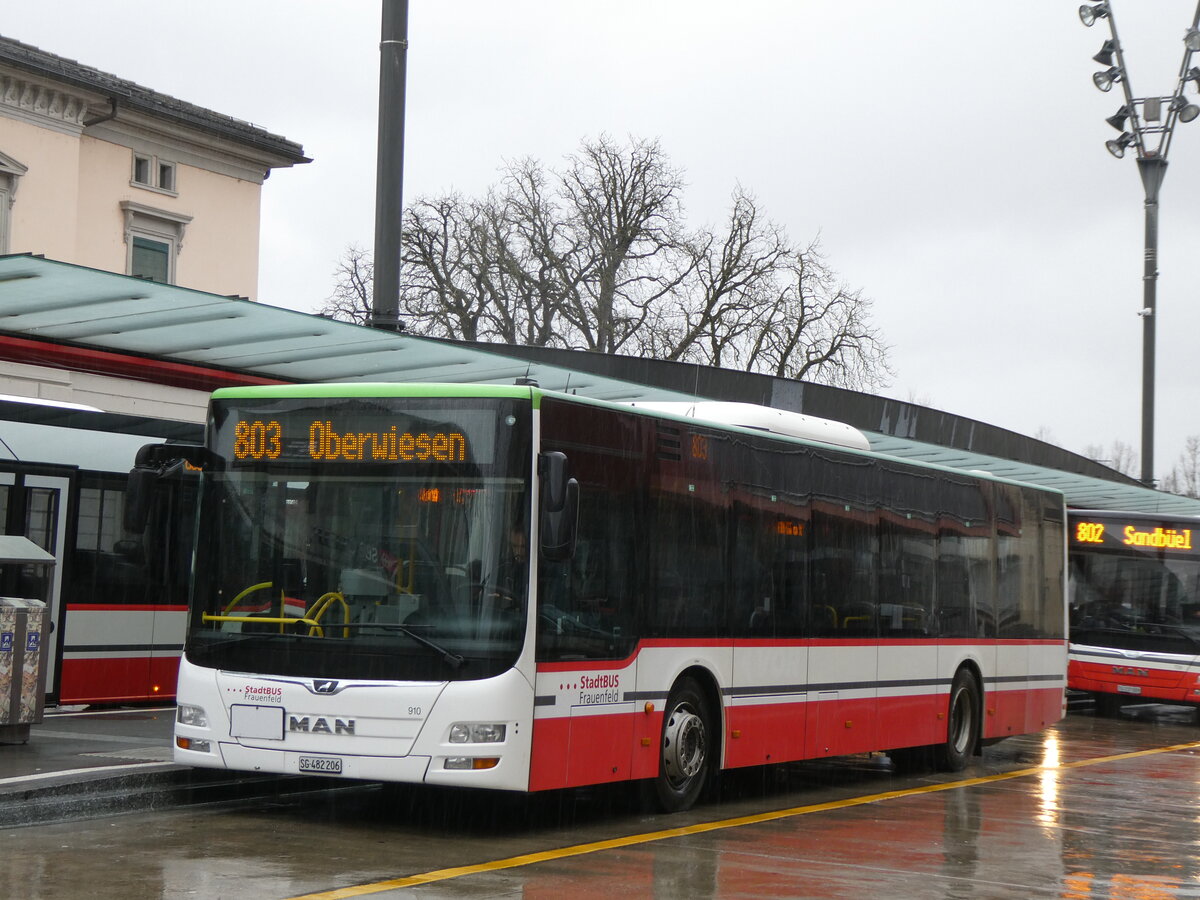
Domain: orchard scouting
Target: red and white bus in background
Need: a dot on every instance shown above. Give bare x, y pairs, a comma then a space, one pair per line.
117, 602
501, 587
1134, 608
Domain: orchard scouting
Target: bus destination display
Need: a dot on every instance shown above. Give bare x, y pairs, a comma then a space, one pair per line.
258, 440
1141, 535
255, 436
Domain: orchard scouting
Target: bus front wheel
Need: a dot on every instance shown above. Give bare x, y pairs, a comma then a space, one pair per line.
962, 723
686, 749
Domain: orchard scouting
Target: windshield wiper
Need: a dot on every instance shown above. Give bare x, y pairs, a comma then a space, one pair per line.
453, 660
1186, 632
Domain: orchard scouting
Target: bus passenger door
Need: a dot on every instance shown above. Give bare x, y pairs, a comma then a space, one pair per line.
35, 506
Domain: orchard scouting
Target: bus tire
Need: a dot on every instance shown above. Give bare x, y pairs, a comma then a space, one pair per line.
687, 747
962, 723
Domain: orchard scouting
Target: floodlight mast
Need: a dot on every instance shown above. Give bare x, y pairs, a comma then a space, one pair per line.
1152, 166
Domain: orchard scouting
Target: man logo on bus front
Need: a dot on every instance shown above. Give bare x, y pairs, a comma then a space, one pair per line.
324, 687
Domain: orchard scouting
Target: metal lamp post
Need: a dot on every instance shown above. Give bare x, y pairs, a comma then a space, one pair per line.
389, 177
1146, 124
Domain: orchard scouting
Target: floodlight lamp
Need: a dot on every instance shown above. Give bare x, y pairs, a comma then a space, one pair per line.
1193, 74
1089, 14
1117, 119
1184, 110
1117, 146
1105, 56
1192, 39
1106, 79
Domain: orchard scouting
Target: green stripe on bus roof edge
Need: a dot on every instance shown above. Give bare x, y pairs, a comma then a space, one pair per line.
360, 389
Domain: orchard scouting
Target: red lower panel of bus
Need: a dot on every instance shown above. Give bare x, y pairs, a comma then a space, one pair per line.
1135, 680
619, 747
118, 679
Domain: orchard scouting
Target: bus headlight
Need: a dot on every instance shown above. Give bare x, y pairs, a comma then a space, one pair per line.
191, 715
486, 733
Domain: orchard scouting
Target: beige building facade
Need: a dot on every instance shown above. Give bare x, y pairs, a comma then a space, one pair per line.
101, 172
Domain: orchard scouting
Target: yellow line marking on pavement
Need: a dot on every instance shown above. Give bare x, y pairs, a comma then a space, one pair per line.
528, 859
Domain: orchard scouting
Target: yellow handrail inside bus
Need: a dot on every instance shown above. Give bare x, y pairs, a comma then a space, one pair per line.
258, 587
406, 571
318, 610
312, 618
250, 590
262, 620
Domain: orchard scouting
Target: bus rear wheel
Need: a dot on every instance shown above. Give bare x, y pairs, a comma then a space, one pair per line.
962, 723
686, 748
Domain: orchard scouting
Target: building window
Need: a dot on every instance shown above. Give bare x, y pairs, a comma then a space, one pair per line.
166, 176
150, 259
141, 170
153, 173
10, 173
154, 238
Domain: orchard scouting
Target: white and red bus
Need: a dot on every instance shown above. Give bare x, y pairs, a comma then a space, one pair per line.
117, 601
1134, 608
501, 587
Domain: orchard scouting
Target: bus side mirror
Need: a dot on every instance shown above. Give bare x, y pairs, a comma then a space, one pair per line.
560, 507
153, 463
139, 494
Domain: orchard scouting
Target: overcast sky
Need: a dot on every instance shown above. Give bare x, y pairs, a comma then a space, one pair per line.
949, 154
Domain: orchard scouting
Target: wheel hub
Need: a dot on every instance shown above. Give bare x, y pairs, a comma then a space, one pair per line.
683, 744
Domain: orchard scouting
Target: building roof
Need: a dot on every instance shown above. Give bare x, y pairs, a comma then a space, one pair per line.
71, 311
123, 93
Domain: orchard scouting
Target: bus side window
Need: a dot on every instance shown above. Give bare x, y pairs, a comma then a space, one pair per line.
586, 603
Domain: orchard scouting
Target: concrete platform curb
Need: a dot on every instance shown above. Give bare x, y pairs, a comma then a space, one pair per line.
62, 798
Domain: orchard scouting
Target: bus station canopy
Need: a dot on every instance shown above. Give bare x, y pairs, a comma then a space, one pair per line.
70, 306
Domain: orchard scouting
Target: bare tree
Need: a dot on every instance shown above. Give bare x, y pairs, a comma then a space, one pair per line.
819, 329
623, 206
351, 297
1184, 477
732, 280
1119, 456
597, 257
1045, 435
451, 280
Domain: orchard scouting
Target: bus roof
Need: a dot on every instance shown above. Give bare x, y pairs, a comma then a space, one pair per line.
811, 431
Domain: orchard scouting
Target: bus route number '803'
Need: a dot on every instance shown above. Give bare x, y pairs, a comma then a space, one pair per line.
257, 440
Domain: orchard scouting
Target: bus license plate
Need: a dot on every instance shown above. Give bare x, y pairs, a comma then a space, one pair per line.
1128, 689
321, 765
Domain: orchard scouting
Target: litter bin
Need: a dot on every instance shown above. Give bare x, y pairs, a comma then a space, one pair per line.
24, 628
22, 672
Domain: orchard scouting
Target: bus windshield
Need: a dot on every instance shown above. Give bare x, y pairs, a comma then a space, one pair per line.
381, 539
1135, 599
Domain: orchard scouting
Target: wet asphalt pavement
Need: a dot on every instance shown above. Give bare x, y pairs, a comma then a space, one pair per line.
1092, 808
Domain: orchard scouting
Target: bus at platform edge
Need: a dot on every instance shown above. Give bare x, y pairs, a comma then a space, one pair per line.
508, 588
1134, 608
